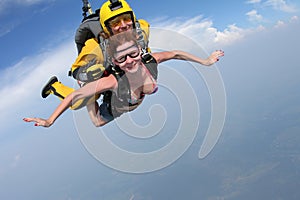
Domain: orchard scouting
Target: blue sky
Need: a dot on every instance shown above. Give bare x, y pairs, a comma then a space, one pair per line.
260, 39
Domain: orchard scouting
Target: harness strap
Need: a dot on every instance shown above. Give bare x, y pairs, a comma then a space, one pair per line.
151, 64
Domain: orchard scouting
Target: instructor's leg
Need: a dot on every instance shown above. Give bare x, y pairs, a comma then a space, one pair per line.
53, 86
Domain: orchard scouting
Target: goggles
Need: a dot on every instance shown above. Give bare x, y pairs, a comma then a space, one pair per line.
132, 54
117, 21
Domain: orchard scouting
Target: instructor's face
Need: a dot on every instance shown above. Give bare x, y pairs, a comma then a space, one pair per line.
121, 23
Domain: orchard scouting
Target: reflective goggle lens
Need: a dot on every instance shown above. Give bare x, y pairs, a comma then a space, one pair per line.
126, 18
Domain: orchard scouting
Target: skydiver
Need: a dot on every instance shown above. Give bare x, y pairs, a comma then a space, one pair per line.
130, 70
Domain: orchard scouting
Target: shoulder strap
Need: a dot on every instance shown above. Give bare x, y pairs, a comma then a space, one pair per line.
151, 64
122, 95
123, 91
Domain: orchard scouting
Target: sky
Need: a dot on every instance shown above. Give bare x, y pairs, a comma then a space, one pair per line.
258, 147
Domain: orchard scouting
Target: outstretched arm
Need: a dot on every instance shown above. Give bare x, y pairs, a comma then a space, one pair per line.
182, 55
89, 89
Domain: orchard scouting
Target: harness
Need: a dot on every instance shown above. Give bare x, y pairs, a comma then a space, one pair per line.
121, 99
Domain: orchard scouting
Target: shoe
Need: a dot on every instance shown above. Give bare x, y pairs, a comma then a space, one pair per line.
47, 88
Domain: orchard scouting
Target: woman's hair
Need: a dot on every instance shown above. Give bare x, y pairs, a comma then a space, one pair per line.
117, 40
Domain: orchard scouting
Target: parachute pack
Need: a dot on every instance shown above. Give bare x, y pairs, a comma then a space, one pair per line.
89, 28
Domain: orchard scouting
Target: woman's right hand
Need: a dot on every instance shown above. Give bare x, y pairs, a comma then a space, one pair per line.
38, 121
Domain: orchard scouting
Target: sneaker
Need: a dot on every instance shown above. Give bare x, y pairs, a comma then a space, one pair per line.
47, 88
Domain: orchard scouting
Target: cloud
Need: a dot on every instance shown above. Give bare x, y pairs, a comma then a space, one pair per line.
280, 23
204, 32
294, 19
253, 1
230, 35
253, 16
281, 5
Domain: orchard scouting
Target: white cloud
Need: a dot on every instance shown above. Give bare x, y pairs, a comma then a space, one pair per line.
281, 5
230, 35
279, 24
203, 31
253, 1
294, 19
253, 16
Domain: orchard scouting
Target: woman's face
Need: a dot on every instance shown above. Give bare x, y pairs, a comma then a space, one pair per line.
127, 57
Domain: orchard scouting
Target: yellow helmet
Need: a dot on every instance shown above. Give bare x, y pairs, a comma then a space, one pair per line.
111, 9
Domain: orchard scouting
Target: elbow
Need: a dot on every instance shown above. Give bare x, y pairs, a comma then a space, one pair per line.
98, 124
176, 54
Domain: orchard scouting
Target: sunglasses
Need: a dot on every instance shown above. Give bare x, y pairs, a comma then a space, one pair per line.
117, 21
123, 58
